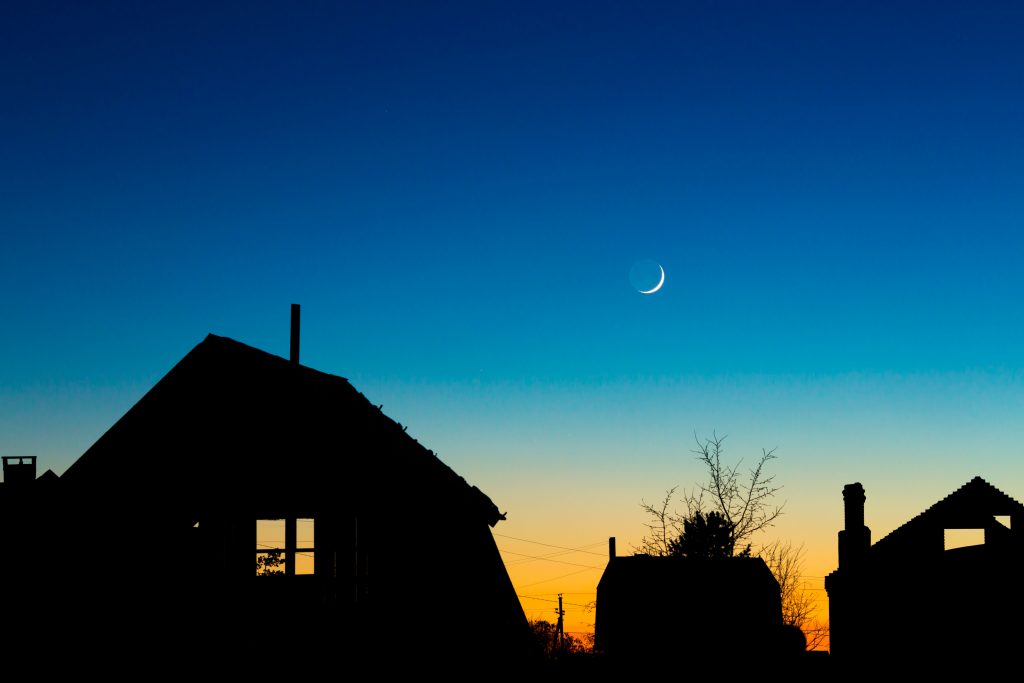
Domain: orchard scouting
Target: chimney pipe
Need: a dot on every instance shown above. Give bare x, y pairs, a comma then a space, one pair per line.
855, 539
853, 503
611, 548
295, 334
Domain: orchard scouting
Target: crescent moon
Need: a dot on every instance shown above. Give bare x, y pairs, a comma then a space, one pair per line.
657, 286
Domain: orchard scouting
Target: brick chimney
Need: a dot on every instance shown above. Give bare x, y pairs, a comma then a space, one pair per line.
855, 539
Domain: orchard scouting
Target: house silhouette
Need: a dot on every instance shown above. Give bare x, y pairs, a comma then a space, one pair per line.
701, 611
382, 547
922, 593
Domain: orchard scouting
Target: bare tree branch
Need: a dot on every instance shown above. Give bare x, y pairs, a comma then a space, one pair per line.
664, 527
798, 605
745, 501
745, 504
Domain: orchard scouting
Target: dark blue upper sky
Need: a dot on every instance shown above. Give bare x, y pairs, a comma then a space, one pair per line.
457, 191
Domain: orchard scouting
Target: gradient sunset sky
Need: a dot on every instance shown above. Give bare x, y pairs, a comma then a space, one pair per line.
456, 193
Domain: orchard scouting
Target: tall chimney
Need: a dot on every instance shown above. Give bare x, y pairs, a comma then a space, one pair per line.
295, 334
611, 548
855, 539
853, 504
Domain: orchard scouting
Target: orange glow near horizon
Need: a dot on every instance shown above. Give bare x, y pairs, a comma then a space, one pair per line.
541, 569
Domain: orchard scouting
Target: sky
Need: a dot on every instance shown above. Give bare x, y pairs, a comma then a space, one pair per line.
457, 194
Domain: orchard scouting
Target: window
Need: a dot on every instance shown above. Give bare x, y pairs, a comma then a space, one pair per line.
304, 541
270, 551
962, 538
285, 546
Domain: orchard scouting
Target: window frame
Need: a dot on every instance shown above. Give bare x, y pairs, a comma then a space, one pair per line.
290, 549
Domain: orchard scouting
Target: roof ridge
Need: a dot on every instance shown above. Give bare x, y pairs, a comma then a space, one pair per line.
973, 483
236, 359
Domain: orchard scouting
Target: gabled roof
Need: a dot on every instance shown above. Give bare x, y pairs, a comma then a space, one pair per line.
231, 423
977, 500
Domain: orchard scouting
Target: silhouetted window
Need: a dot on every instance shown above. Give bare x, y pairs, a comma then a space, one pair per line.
305, 546
270, 550
962, 538
285, 546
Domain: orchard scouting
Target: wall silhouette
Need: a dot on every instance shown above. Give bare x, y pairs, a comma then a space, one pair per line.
706, 612
156, 524
911, 597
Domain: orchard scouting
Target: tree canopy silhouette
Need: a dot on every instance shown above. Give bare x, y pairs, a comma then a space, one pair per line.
705, 535
270, 563
743, 503
553, 646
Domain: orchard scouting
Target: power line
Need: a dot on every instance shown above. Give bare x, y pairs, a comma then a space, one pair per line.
548, 559
557, 553
574, 604
556, 578
560, 547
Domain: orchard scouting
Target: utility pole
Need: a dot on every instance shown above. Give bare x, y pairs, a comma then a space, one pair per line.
559, 629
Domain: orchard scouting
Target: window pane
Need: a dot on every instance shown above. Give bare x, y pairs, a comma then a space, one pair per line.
304, 538
269, 547
269, 534
270, 563
304, 533
304, 562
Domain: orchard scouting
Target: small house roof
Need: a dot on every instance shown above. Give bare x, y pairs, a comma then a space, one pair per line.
641, 572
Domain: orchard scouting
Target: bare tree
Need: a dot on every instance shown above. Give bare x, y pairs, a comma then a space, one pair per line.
665, 526
798, 605
745, 502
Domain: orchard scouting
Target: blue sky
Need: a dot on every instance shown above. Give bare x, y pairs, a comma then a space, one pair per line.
456, 195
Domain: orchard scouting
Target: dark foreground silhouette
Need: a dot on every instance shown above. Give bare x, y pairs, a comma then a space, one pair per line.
147, 542
707, 608
379, 558
908, 598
